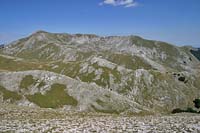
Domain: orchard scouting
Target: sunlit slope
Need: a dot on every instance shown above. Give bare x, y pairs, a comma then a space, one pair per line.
142, 75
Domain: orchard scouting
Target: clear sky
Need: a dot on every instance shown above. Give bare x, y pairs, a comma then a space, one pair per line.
174, 21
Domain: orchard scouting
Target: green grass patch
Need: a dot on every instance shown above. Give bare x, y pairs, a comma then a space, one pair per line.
70, 69
54, 98
129, 61
87, 77
12, 65
27, 81
125, 90
143, 42
83, 55
159, 76
13, 96
168, 48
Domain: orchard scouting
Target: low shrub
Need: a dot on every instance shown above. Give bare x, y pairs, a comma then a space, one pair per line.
177, 110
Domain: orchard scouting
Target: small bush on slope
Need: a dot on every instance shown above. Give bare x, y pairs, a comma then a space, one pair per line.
190, 110
197, 103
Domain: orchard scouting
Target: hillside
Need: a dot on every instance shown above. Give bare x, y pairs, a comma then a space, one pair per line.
85, 72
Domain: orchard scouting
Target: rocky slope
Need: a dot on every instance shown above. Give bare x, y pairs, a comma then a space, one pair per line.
23, 119
116, 74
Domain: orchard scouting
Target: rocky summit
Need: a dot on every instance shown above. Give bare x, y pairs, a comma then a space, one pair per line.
90, 73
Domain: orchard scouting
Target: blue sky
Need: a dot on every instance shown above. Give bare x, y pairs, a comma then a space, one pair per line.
174, 21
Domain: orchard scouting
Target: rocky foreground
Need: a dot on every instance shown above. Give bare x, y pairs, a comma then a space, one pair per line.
23, 119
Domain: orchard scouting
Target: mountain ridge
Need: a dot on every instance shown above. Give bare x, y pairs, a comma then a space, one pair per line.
156, 75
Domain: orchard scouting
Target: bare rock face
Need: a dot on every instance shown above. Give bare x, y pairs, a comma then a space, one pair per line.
116, 74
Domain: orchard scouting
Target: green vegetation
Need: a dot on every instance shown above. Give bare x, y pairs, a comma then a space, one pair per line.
172, 54
189, 109
41, 84
70, 69
143, 42
13, 65
42, 54
104, 78
177, 110
197, 103
159, 76
87, 77
196, 53
54, 98
13, 96
161, 46
127, 88
27, 81
84, 55
100, 102
168, 48
129, 61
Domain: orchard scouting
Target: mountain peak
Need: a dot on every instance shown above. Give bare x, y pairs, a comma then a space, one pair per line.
40, 31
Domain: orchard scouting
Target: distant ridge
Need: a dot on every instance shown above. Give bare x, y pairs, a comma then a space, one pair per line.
86, 72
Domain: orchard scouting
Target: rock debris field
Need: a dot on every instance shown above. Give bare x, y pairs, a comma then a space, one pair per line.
25, 119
